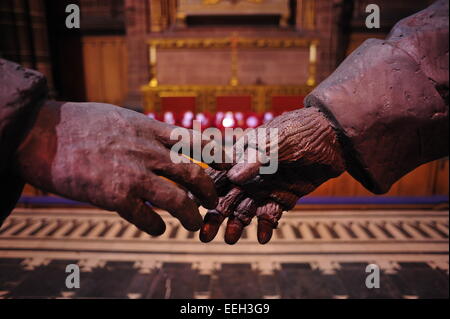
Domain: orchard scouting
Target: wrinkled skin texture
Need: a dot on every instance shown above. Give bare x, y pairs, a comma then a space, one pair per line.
389, 99
309, 155
113, 158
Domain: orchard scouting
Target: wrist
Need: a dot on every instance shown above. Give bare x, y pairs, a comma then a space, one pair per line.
34, 156
306, 137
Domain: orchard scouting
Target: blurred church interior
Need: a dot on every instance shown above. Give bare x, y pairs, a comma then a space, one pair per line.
226, 63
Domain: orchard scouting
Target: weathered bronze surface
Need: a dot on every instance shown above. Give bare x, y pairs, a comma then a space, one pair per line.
387, 103
98, 153
309, 154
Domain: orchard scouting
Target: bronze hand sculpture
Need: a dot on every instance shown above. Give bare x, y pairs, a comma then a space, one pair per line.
309, 154
98, 153
383, 112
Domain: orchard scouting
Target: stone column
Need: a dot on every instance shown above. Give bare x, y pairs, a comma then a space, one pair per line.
137, 25
24, 35
326, 28
321, 19
144, 19
39, 34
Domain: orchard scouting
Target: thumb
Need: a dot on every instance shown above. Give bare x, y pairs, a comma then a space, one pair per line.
195, 145
244, 172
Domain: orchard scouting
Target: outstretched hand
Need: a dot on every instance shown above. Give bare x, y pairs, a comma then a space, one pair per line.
115, 159
309, 154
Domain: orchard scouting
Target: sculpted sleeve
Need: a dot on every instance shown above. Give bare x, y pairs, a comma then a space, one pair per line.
22, 92
389, 100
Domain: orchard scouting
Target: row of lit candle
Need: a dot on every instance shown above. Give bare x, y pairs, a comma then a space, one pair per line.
219, 120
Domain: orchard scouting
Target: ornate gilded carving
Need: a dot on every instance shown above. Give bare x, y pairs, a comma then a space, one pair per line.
306, 15
153, 58
234, 81
162, 14
206, 94
312, 67
234, 7
241, 42
210, 2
